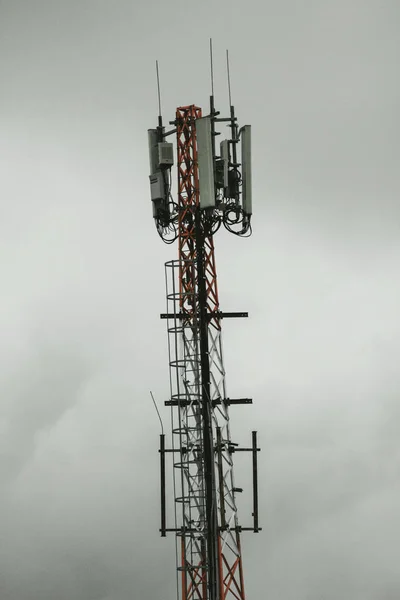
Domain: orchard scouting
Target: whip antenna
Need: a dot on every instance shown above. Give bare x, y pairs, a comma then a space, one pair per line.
158, 412
229, 77
159, 96
211, 68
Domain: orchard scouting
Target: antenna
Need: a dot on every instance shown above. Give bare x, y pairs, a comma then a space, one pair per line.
158, 412
212, 106
233, 124
159, 96
212, 68
229, 78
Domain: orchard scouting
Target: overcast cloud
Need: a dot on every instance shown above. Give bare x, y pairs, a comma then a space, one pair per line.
82, 286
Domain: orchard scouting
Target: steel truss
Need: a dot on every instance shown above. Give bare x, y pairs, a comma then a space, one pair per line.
207, 529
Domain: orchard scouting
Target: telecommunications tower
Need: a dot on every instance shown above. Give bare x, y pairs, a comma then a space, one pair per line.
214, 189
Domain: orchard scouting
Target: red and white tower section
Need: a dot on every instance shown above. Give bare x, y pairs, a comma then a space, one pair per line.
214, 190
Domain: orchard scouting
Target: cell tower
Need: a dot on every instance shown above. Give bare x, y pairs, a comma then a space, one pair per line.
214, 189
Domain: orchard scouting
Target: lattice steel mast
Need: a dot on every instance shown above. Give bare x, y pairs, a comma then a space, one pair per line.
212, 190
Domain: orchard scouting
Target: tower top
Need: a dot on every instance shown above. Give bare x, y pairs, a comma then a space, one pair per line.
224, 170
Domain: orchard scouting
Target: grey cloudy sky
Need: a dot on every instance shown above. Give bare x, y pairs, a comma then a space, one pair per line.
82, 286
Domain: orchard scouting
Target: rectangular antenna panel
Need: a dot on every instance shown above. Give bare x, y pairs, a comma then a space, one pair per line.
206, 162
153, 150
225, 157
165, 154
246, 170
